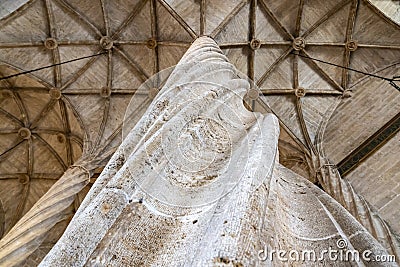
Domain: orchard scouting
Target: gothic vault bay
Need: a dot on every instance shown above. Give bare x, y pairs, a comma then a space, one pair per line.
199, 132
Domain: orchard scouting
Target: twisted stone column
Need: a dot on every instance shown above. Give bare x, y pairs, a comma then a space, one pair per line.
341, 190
25, 237
200, 185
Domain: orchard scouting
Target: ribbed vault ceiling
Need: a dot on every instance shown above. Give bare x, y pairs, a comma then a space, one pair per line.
50, 116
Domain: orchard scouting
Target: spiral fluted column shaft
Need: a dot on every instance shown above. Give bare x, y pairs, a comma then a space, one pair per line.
30, 231
341, 190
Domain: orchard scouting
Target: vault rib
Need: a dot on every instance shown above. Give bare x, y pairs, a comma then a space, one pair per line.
349, 37
154, 35
252, 35
21, 106
24, 197
77, 42
295, 56
43, 113
52, 151
112, 136
325, 44
227, 19
77, 14
296, 70
109, 69
82, 70
28, 88
274, 65
67, 130
12, 117
103, 123
55, 51
77, 140
323, 73
290, 91
35, 175
203, 8
6, 153
378, 46
275, 19
143, 77
299, 18
8, 131
68, 103
303, 126
233, 45
54, 131
138, 7
174, 43
105, 17
20, 44
178, 18
263, 43
329, 14
17, 98
129, 42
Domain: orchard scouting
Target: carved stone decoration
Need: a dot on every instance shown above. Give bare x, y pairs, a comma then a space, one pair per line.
24, 133
299, 43
253, 94
106, 42
351, 45
55, 93
105, 92
50, 43
255, 44
300, 92
197, 183
151, 43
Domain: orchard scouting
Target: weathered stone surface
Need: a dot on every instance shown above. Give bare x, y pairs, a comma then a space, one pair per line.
142, 214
